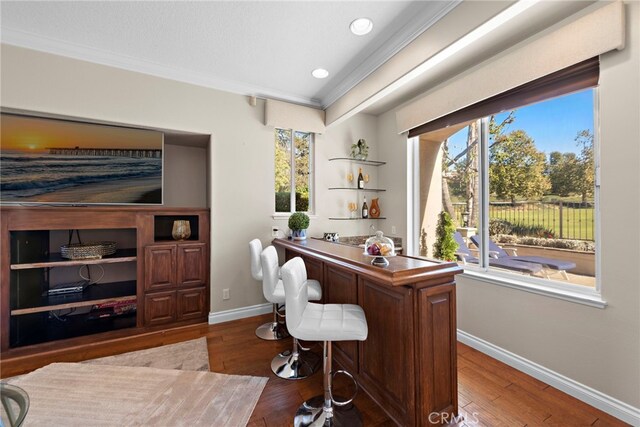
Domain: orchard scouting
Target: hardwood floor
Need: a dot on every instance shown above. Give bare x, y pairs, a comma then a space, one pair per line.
490, 392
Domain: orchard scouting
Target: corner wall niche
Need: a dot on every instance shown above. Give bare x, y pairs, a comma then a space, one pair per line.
186, 170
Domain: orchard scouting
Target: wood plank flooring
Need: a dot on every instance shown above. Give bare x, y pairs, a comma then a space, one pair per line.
490, 392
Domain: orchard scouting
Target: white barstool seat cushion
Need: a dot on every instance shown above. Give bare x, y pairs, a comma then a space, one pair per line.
332, 322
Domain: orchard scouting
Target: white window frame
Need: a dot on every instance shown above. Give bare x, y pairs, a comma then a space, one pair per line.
481, 272
292, 176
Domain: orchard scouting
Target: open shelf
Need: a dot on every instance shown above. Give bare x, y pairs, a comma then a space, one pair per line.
354, 219
56, 260
163, 227
94, 294
38, 328
357, 189
364, 162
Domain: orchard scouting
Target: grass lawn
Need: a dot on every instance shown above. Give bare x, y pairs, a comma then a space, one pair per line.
577, 223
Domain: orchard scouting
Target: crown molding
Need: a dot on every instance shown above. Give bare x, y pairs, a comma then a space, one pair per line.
84, 53
419, 23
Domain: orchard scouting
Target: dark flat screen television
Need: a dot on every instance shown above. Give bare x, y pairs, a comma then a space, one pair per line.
53, 161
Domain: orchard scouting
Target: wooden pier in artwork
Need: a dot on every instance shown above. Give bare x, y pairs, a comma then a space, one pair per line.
112, 152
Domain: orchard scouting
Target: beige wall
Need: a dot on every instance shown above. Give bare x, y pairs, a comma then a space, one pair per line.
241, 154
185, 171
596, 347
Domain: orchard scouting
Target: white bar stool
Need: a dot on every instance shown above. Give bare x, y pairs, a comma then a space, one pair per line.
291, 364
273, 330
327, 323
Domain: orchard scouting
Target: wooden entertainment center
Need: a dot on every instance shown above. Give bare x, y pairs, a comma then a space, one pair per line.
167, 281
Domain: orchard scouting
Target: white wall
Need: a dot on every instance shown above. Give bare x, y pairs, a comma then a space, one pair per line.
599, 348
241, 156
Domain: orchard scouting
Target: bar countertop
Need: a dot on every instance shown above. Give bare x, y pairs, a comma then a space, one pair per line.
402, 269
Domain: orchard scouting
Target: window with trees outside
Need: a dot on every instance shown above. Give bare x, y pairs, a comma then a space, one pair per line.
528, 175
293, 171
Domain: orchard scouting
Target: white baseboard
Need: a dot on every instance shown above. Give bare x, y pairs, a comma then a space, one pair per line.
240, 313
605, 403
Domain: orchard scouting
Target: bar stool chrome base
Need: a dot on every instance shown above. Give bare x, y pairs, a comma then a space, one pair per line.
311, 413
275, 330
295, 365
328, 410
272, 331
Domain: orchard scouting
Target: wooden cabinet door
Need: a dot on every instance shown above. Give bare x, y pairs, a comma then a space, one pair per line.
192, 264
159, 308
341, 287
191, 303
437, 351
159, 267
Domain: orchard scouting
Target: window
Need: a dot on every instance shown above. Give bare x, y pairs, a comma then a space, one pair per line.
520, 189
293, 168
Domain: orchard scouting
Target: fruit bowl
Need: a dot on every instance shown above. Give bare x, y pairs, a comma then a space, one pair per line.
379, 248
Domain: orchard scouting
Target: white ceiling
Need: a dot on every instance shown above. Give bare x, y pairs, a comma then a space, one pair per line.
262, 48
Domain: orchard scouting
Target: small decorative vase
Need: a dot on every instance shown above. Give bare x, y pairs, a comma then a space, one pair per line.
299, 234
181, 229
374, 210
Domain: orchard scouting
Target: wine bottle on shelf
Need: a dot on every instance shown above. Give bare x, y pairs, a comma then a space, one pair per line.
365, 209
360, 179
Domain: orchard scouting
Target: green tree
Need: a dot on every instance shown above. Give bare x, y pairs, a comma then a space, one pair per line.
586, 181
282, 182
445, 246
517, 168
302, 149
446, 179
564, 173
283, 160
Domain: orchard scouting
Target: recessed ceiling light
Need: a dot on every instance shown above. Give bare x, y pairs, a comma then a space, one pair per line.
361, 26
320, 73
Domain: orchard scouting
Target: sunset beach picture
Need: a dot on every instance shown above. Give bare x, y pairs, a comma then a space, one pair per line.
64, 162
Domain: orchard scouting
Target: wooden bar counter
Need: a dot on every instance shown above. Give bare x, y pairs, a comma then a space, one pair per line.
408, 362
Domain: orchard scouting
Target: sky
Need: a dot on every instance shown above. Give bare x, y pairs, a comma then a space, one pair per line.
553, 124
34, 135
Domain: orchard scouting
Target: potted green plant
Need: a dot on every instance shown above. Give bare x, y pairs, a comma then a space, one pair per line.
360, 150
298, 223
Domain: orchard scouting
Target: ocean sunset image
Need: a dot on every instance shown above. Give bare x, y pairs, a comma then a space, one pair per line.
58, 161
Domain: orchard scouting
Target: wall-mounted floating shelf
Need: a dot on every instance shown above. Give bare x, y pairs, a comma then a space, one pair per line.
357, 189
353, 219
364, 162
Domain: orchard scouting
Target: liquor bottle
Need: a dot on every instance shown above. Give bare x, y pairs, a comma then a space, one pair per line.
365, 209
360, 179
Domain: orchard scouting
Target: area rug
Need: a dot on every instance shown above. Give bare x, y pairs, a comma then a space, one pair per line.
82, 394
186, 356
170, 386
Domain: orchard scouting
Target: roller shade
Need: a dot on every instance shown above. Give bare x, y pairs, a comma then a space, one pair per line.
571, 79
291, 116
578, 41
